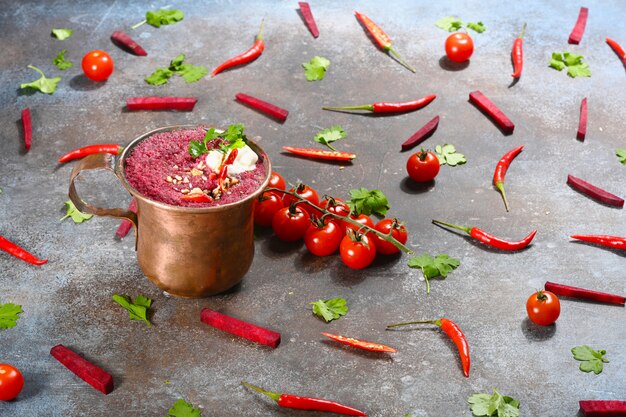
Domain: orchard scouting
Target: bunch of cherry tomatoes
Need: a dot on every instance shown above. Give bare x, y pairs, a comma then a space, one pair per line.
323, 234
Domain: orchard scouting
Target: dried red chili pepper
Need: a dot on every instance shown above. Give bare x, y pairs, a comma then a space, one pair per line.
113, 149
28, 128
575, 292
579, 27
517, 54
320, 154
250, 55
617, 48
382, 40
490, 109
389, 107
454, 332
421, 135
594, 192
161, 103
126, 225
124, 41
269, 109
12, 249
491, 240
361, 344
305, 9
614, 242
500, 172
307, 403
602, 408
582, 122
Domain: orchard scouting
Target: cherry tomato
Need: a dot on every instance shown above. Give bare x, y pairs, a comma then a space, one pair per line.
97, 65
11, 382
323, 240
398, 232
277, 181
459, 47
422, 166
309, 194
357, 251
361, 218
290, 223
543, 308
265, 207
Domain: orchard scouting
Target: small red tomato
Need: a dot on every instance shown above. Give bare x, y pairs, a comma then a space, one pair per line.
97, 65
459, 47
361, 218
423, 166
290, 223
265, 207
357, 251
11, 382
543, 308
323, 240
307, 193
277, 181
398, 232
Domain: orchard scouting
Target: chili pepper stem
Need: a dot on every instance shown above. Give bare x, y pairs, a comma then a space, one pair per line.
273, 395
408, 323
399, 58
135, 26
454, 226
500, 187
367, 107
259, 37
521, 35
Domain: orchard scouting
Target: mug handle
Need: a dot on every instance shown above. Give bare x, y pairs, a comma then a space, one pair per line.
97, 161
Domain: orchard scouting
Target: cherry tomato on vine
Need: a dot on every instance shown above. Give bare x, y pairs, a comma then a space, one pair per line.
398, 232
290, 223
323, 239
265, 207
361, 218
97, 65
422, 166
11, 382
543, 308
336, 206
357, 251
309, 194
459, 47
277, 181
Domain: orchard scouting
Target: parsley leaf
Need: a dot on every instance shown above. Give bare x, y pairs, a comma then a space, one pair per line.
440, 266
61, 62
159, 77
592, 360
191, 73
43, 84
62, 34
330, 310
477, 27
573, 62
160, 17
137, 309
364, 201
557, 62
315, 69
9, 314
76, 215
447, 155
493, 405
182, 408
332, 134
621, 154
233, 138
449, 23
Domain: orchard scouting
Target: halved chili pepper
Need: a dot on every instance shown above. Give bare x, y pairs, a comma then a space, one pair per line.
269, 109
320, 154
126, 225
27, 124
421, 135
124, 41
161, 103
250, 55
575, 292
614, 242
582, 121
223, 169
454, 332
388, 107
518, 54
197, 197
491, 240
500, 172
111, 148
305, 9
382, 40
490, 109
13, 249
361, 344
617, 48
579, 27
594, 192
307, 403
602, 408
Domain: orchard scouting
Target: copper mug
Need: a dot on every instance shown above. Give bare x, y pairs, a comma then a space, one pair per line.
187, 252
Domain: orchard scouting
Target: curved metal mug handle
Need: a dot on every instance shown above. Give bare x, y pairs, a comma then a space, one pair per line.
97, 161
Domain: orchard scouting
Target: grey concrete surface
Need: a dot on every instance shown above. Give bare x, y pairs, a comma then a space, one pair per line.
68, 300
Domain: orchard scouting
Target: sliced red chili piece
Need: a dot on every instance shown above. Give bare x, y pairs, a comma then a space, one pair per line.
197, 198
124, 41
594, 192
305, 9
421, 135
264, 107
111, 148
320, 154
161, 103
85, 370
576, 292
361, 344
582, 121
27, 124
490, 109
579, 27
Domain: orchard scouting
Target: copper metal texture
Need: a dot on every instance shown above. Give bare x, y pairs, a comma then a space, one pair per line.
188, 252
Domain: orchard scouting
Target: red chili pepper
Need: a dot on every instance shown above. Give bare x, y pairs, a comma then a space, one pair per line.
12, 249
197, 198
387, 107
421, 135
307, 403
575, 292
126, 225
361, 344
28, 128
500, 172
248, 56
601, 408
126, 42
617, 49
113, 149
454, 332
517, 54
240, 328
161, 103
223, 170
85, 370
263, 106
582, 122
491, 240
319, 154
382, 40
594, 192
614, 242
579, 27
484, 104
305, 9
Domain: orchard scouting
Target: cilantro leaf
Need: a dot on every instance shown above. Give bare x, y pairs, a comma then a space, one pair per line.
43, 84
76, 215
62, 34
440, 266
9, 314
61, 62
137, 309
192, 73
332, 134
449, 23
233, 137
581, 70
621, 154
364, 201
315, 69
330, 310
477, 27
182, 408
447, 155
592, 360
573, 62
160, 17
159, 77
557, 62
493, 405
